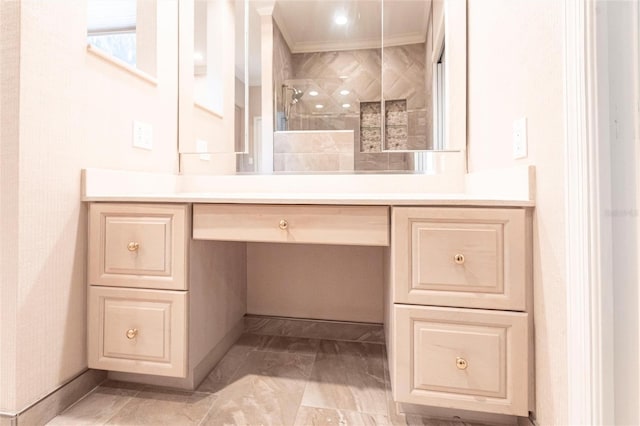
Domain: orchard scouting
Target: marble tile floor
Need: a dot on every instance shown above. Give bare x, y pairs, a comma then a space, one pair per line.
262, 380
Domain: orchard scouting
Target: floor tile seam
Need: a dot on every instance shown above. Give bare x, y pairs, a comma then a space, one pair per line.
232, 376
112, 416
347, 410
304, 391
386, 411
206, 415
160, 389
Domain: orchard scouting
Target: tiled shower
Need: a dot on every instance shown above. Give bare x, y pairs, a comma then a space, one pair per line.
342, 91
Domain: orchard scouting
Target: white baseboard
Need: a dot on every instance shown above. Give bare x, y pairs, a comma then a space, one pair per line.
54, 403
196, 375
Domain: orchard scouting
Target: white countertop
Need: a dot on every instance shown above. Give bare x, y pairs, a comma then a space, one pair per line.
339, 199
508, 188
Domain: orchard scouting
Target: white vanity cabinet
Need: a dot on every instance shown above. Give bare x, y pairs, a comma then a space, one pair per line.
461, 317
138, 288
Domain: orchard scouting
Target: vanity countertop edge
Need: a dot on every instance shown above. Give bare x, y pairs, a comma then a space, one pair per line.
506, 188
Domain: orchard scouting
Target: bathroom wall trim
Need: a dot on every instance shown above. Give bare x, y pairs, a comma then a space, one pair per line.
55, 402
587, 310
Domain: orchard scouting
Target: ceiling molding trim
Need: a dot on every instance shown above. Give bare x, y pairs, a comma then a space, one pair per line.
371, 43
283, 28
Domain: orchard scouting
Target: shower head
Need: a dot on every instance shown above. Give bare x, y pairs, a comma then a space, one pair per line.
296, 94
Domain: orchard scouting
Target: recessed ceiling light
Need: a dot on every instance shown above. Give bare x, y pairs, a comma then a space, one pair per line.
319, 106
313, 93
340, 20
198, 56
346, 105
344, 92
344, 77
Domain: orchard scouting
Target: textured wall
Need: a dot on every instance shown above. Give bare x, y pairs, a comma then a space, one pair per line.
9, 196
507, 80
76, 111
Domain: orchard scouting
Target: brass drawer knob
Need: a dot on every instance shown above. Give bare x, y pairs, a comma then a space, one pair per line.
133, 246
461, 363
132, 333
459, 259
283, 224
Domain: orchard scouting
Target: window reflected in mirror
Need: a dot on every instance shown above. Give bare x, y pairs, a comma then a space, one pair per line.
124, 30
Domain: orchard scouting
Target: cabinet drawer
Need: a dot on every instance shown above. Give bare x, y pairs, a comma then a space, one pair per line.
352, 225
462, 358
134, 245
473, 258
138, 331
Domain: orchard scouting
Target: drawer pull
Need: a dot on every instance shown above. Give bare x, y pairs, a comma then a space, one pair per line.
283, 224
133, 246
132, 333
459, 259
461, 363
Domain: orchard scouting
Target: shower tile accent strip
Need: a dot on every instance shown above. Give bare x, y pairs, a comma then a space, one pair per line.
370, 127
396, 121
396, 124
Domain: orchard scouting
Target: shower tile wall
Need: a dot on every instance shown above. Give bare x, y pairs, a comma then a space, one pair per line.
404, 73
313, 151
282, 71
405, 88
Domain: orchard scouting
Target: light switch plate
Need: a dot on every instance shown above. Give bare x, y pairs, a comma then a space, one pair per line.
142, 135
520, 138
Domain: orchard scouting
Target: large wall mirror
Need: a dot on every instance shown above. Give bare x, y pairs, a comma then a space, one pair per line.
317, 86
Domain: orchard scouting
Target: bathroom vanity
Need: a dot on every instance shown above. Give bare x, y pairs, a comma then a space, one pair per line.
458, 304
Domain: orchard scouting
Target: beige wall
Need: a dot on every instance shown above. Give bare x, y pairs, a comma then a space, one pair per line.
515, 70
75, 111
315, 281
9, 130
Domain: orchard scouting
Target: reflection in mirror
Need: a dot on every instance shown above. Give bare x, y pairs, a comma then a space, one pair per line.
124, 30
328, 86
257, 153
335, 86
406, 121
207, 66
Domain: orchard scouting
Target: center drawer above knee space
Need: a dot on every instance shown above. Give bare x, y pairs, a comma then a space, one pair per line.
349, 225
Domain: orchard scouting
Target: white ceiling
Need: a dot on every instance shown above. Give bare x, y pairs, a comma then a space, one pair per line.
308, 26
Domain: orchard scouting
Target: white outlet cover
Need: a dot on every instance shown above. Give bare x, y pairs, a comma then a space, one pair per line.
520, 138
142, 135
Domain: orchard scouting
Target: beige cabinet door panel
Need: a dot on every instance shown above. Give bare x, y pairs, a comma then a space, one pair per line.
350, 225
464, 257
138, 331
133, 245
467, 359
